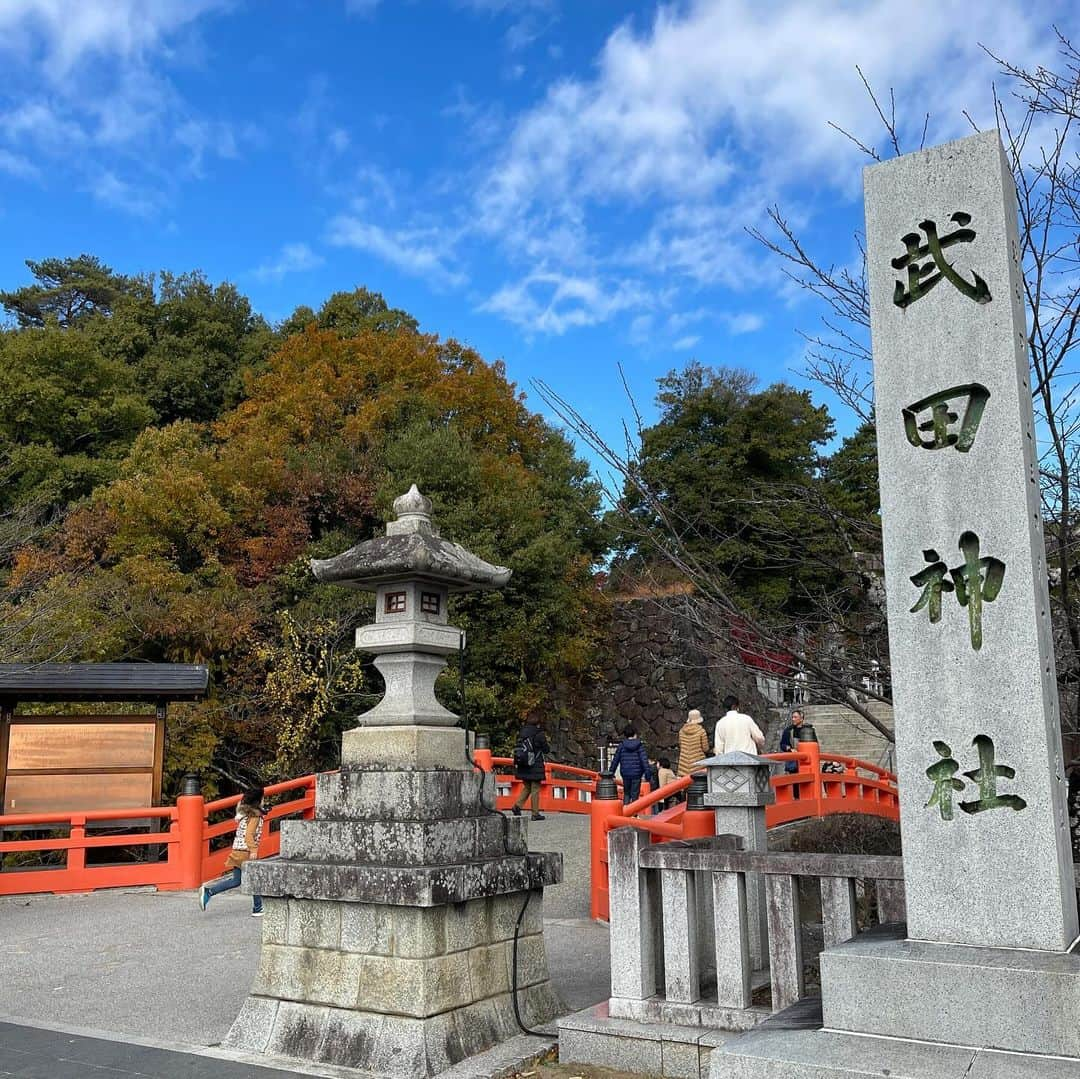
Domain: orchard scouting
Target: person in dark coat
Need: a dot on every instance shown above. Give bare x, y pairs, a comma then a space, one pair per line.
529, 768
789, 740
632, 763
789, 743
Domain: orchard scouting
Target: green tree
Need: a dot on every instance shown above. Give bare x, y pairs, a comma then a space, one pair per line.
68, 291
190, 346
731, 471
96, 357
851, 474
351, 313
67, 416
199, 548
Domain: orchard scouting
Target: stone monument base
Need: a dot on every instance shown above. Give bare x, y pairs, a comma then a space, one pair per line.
1008, 999
776, 1051
912, 1009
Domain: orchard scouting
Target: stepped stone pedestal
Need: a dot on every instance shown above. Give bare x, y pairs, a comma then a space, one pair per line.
389, 926
405, 921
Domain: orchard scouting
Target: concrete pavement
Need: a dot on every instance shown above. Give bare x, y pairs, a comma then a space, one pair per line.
151, 965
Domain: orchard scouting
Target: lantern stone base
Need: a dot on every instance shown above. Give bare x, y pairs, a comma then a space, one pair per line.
389, 925
399, 991
405, 747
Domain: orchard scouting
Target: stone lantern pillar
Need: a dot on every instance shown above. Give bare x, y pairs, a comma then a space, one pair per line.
739, 791
388, 937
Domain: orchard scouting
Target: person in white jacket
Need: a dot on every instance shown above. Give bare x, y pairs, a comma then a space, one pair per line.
737, 731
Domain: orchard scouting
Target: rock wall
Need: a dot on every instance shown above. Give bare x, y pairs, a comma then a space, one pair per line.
658, 665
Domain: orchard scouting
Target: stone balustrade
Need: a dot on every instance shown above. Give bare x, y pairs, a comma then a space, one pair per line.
681, 927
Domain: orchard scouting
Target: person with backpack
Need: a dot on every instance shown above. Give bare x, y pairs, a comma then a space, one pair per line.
529, 753
632, 763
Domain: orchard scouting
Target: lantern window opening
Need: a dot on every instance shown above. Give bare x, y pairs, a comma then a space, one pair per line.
395, 602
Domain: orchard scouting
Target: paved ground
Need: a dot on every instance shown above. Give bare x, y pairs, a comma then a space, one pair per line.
153, 966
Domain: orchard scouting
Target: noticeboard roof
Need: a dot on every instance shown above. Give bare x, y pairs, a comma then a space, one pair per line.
102, 682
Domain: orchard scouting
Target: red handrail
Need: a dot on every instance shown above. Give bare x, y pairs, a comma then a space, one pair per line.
808, 792
187, 848
189, 856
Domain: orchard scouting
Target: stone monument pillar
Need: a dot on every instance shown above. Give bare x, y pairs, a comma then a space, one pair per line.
388, 937
978, 737
982, 981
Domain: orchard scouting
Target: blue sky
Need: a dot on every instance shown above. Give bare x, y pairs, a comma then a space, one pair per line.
565, 186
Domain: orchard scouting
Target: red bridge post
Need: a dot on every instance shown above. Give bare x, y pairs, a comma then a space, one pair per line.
191, 817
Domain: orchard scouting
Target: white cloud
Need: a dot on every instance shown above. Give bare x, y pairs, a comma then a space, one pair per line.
18, 166
676, 108
530, 19
650, 169
641, 329
292, 258
742, 322
421, 251
686, 343
551, 302
91, 95
118, 194
62, 34
204, 138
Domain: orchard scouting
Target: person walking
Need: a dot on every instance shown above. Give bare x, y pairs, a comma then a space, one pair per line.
633, 763
664, 776
736, 731
249, 828
529, 768
789, 739
693, 743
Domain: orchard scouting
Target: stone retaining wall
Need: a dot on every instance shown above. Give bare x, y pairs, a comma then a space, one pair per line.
657, 666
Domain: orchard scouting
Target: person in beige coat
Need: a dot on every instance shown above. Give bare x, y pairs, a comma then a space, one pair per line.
693, 743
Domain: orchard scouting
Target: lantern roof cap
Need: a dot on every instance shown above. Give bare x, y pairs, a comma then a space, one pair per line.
411, 549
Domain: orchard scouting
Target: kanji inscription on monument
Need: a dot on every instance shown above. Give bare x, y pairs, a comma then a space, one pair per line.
977, 729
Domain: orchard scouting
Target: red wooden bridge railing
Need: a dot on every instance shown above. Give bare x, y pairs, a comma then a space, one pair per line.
181, 846
850, 786
184, 847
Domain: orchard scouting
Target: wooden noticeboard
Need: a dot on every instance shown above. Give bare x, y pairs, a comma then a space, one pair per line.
56, 764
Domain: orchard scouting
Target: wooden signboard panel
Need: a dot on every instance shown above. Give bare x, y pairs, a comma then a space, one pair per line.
54, 764
67, 793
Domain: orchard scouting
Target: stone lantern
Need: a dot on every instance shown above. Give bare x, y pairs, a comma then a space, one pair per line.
737, 780
412, 570
739, 790
389, 932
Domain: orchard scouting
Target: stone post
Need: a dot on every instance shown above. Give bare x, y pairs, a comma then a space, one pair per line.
634, 922
389, 931
739, 791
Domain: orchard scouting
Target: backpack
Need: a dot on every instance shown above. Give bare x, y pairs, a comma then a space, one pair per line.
524, 754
